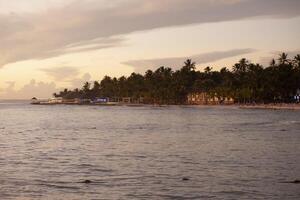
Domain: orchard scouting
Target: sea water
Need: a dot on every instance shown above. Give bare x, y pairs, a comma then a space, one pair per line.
172, 152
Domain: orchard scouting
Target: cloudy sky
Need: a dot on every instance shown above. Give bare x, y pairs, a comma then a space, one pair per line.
46, 45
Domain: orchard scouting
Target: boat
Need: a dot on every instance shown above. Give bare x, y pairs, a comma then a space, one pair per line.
35, 101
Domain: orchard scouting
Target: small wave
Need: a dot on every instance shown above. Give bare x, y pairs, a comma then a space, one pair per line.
102, 170
59, 186
233, 192
91, 128
256, 123
166, 196
126, 156
290, 122
86, 165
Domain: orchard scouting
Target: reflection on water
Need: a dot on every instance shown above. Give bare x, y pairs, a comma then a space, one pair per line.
47, 152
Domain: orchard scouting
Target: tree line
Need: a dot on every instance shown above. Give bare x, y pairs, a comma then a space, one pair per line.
246, 82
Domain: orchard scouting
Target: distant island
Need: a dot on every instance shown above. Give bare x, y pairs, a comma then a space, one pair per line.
245, 83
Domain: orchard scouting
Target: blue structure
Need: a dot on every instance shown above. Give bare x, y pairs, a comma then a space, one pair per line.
297, 96
101, 100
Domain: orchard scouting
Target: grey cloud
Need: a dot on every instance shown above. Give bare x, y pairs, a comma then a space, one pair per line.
176, 62
61, 73
11, 84
78, 82
91, 25
265, 61
291, 54
42, 90
32, 89
100, 43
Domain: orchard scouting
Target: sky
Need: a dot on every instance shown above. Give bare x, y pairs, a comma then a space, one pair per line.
52, 44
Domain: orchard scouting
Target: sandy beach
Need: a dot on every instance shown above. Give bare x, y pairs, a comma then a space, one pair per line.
272, 106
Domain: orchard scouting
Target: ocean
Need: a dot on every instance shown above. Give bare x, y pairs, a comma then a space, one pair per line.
171, 152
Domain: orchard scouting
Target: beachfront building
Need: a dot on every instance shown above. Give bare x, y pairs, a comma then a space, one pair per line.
297, 96
72, 101
130, 100
56, 100
126, 100
203, 98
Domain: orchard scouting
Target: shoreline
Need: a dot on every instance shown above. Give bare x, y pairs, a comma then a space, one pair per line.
281, 106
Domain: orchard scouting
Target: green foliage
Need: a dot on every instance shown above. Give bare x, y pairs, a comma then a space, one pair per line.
246, 82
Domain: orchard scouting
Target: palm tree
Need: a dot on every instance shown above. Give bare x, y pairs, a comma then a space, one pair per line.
207, 69
96, 89
297, 61
86, 89
273, 63
189, 65
283, 58
241, 66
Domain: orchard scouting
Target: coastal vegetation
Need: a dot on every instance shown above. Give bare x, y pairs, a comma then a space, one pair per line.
245, 82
